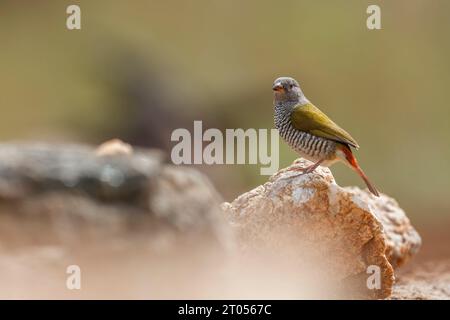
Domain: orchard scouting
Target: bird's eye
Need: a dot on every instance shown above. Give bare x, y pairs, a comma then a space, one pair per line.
291, 86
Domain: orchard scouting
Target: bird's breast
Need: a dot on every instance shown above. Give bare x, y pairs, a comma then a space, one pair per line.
309, 146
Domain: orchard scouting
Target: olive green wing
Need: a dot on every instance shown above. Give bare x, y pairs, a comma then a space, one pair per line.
310, 119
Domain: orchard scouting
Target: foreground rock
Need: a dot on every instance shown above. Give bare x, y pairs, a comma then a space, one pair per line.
136, 226
72, 187
342, 237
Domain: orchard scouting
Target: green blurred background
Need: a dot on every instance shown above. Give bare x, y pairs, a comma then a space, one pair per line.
139, 69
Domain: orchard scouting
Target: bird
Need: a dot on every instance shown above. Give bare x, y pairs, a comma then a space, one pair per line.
310, 132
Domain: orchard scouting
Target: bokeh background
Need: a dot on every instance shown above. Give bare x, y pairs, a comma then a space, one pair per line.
139, 69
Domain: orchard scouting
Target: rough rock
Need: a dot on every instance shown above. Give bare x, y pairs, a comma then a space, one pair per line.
343, 233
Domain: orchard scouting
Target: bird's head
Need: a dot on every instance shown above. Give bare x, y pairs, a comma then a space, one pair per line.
287, 90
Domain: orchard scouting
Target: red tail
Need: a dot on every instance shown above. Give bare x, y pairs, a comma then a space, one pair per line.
352, 161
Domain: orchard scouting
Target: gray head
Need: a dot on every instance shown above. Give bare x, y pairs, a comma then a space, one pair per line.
288, 90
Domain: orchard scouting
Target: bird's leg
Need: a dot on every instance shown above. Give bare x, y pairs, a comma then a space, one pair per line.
311, 168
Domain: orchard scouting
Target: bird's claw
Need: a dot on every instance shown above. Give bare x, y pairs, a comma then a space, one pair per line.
305, 170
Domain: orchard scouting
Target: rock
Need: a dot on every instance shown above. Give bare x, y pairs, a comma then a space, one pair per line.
428, 281
141, 228
72, 183
343, 234
136, 226
402, 240
113, 147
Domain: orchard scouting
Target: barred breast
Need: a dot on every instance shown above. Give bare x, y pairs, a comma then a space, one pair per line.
309, 146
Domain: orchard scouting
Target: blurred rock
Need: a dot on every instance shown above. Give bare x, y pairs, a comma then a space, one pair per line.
428, 281
114, 147
67, 193
327, 230
135, 226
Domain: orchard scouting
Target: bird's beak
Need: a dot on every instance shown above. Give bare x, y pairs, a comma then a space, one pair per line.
277, 87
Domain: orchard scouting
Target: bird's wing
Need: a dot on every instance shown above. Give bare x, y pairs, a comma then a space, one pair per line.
310, 119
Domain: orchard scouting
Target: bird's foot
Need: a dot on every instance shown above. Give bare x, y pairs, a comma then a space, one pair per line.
309, 169
303, 171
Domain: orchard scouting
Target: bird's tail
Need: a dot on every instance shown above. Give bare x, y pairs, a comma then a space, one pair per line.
351, 161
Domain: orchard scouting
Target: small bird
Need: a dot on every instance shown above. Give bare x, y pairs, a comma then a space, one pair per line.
310, 132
